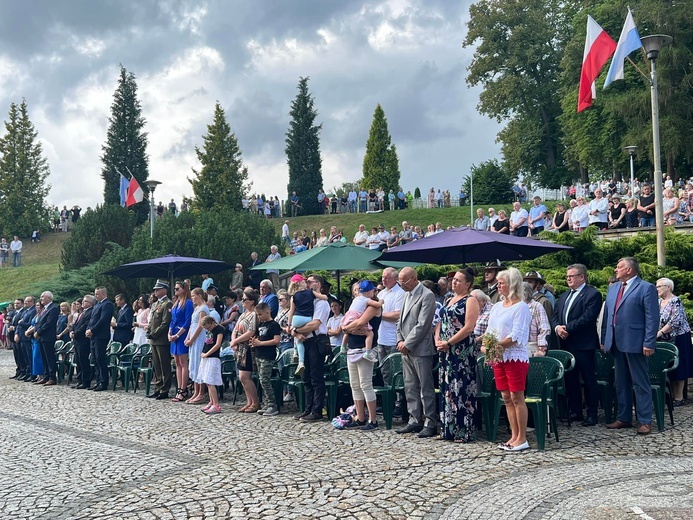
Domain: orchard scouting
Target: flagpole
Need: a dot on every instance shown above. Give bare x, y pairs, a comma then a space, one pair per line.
652, 45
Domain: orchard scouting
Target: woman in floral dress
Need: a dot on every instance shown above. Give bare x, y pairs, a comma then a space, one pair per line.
454, 340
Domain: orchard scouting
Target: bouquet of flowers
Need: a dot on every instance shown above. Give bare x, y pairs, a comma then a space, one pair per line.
493, 349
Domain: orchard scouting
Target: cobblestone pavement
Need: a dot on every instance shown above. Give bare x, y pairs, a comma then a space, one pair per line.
81, 455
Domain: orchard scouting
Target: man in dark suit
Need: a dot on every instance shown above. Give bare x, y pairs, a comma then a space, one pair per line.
254, 276
575, 323
82, 342
415, 343
123, 332
22, 340
45, 333
99, 333
629, 331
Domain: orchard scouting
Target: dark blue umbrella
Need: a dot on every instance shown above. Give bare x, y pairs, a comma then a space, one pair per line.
466, 245
168, 267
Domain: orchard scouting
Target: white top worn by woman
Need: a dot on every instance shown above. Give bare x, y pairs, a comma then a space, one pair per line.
512, 322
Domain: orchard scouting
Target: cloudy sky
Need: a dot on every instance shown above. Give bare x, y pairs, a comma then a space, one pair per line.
63, 57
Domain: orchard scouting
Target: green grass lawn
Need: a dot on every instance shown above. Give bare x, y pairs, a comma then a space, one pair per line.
40, 261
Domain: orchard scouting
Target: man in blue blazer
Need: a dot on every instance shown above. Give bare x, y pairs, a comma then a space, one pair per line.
82, 342
575, 324
45, 333
99, 332
22, 324
123, 332
629, 331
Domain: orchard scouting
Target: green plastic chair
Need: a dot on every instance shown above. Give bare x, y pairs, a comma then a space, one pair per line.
388, 391
487, 397
568, 362
114, 348
277, 379
126, 359
540, 395
339, 377
228, 374
664, 360
58, 346
146, 369
604, 363
62, 359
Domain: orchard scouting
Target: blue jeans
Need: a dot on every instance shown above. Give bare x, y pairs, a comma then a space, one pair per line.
17, 258
362, 206
647, 221
352, 206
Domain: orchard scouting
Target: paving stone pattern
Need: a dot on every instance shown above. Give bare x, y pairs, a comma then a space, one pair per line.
81, 455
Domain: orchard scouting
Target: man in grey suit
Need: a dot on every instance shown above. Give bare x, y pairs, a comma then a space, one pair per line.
415, 342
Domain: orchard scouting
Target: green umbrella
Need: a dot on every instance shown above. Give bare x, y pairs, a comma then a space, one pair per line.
333, 257
3, 305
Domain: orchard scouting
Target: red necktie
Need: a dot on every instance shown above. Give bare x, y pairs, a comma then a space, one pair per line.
618, 300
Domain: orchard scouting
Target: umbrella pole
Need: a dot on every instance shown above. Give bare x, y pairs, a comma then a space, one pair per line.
338, 285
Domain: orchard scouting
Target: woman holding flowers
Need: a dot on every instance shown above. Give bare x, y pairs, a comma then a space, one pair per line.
508, 324
454, 340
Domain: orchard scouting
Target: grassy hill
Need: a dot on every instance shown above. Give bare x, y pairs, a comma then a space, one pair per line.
40, 261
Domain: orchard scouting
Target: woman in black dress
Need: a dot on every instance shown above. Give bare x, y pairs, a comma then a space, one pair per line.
617, 213
502, 225
631, 216
561, 222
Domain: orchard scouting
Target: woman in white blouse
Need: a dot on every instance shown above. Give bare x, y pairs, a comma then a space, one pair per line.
579, 217
509, 321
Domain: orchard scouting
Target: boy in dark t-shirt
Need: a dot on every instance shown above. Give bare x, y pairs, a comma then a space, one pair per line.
264, 352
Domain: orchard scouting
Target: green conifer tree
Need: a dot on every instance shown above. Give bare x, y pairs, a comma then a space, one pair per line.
380, 164
125, 150
303, 151
23, 174
223, 179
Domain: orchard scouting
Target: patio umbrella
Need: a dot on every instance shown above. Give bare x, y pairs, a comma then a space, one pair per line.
466, 245
168, 267
337, 256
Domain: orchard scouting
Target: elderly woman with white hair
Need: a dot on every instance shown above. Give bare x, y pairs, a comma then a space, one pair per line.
539, 327
509, 322
674, 327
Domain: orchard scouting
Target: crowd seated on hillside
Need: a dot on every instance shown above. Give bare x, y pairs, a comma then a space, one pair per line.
432, 333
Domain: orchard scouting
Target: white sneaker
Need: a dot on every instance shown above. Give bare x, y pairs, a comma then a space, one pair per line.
369, 355
271, 412
300, 369
288, 398
262, 411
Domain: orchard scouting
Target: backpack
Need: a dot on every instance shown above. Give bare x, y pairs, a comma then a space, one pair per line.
345, 418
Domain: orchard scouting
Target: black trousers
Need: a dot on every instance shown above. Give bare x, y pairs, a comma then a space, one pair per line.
585, 366
48, 357
313, 376
521, 231
16, 352
98, 351
24, 350
82, 351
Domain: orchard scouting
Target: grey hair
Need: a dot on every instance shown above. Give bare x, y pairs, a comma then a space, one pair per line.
48, 295
668, 282
90, 298
513, 278
527, 292
580, 268
632, 263
267, 283
481, 296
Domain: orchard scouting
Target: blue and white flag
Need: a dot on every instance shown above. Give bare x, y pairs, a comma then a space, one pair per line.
628, 42
124, 185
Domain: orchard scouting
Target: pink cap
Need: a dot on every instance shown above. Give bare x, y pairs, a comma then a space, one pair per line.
297, 278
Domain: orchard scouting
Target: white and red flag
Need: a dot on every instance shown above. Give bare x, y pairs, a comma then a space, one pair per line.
599, 47
135, 193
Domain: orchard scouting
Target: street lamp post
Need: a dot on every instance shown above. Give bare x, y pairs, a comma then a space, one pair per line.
631, 151
652, 45
151, 185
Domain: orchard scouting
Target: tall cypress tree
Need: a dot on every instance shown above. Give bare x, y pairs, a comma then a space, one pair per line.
380, 164
223, 180
126, 144
303, 150
23, 173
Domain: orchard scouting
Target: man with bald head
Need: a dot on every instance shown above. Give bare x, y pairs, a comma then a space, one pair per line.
415, 343
45, 333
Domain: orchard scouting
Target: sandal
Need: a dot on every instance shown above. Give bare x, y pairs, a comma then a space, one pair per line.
252, 409
244, 408
179, 397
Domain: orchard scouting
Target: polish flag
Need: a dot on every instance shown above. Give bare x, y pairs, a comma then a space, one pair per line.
135, 193
599, 47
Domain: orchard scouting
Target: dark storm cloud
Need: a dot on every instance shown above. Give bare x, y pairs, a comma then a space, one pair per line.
249, 55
